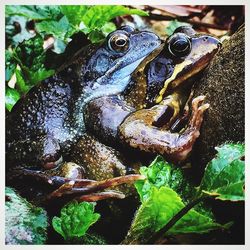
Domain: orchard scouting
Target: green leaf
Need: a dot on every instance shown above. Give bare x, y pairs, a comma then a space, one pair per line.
39, 75
35, 12
20, 82
14, 35
11, 97
161, 173
24, 10
30, 56
10, 65
75, 219
158, 174
163, 194
96, 36
60, 29
158, 209
74, 13
108, 28
224, 176
96, 16
173, 25
30, 53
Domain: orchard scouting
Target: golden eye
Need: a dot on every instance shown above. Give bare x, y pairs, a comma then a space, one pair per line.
118, 42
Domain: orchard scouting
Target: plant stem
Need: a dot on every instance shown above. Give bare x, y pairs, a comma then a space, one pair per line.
178, 216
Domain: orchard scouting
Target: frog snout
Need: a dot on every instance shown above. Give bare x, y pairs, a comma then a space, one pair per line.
213, 41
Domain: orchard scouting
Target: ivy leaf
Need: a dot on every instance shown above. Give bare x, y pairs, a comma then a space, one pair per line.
75, 219
11, 97
161, 173
224, 176
158, 209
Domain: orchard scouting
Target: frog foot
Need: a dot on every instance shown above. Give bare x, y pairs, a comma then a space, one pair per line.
88, 190
77, 188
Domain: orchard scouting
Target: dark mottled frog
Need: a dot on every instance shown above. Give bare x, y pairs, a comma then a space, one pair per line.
152, 115
45, 124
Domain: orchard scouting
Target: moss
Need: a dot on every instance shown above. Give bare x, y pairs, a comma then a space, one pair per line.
24, 223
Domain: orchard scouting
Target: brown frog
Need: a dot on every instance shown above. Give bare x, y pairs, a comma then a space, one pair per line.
152, 115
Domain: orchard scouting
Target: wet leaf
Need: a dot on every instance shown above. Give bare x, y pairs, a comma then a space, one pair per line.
75, 219
11, 97
158, 209
224, 176
160, 202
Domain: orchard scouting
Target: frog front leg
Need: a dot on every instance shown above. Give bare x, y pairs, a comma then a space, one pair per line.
104, 115
139, 132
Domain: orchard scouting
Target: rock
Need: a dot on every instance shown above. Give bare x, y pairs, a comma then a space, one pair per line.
223, 84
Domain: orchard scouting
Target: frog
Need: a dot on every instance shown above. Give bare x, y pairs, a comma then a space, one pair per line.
44, 125
155, 114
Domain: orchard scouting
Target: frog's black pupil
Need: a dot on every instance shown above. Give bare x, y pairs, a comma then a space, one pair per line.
120, 42
181, 45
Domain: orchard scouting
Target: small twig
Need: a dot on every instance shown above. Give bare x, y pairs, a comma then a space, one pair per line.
172, 222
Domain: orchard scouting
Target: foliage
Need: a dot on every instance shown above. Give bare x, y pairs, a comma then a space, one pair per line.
225, 175
160, 202
24, 223
75, 219
29, 26
161, 198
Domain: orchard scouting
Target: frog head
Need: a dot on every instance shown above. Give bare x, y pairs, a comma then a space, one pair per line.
109, 68
184, 54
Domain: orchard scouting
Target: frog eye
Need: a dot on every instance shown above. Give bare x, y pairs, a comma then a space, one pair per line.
118, 42
179, 45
